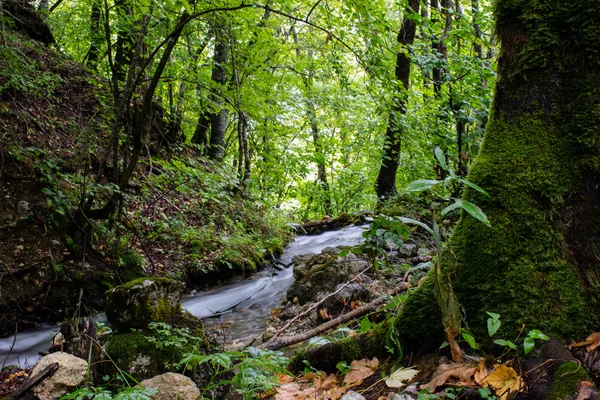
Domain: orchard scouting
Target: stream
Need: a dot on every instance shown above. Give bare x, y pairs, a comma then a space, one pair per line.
243, 306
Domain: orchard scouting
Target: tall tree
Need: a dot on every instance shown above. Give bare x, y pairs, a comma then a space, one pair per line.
218, 119
385, 185
538, 262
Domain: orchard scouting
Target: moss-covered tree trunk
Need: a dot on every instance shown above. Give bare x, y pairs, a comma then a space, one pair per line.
539, 263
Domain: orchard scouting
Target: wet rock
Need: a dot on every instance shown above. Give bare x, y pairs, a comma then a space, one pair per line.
172, 386
70, 375
353, 292
137, 303
321, 273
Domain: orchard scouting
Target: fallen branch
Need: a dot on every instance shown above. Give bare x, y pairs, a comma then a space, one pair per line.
317, 304
275, 344
34, 381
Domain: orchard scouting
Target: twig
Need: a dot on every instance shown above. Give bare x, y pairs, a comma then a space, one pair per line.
273, 344
12, 346
317, 304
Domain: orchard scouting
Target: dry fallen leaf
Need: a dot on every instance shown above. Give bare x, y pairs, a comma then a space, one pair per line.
324, 315
461, 371
360, 371
401, 377
504, 380
592, 341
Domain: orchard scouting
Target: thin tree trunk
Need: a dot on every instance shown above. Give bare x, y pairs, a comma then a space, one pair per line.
385, 186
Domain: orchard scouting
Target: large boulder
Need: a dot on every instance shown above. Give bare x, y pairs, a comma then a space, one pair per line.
70, 375
321, 273
172, 386
137, 303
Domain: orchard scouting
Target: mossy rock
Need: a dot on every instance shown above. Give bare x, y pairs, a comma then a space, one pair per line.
567, 380
150, 352
137, 303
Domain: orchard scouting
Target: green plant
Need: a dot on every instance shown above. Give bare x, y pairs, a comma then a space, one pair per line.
255, 370
99, 393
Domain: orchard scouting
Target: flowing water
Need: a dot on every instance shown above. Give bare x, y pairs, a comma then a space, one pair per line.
244, 306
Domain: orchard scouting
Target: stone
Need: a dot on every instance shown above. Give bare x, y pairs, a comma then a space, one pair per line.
408, 250
70, 375
352, 396
350, 293
137, 303
423, 252
321, 273
172, 386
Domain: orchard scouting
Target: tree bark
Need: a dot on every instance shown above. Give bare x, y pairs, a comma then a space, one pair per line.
218, 120
538, 262
96, 34
385, 186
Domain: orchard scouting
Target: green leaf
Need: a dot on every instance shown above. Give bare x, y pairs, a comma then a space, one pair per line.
494, 315
470, 340
528, 344
505, 343
457, 204
421, 185
365, 325
445, 344
536, 334
439, 154
473, 186
475, 212
484, 393
493, 324
415, 222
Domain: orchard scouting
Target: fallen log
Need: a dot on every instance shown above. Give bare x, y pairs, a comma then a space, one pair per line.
46, 373
359, 312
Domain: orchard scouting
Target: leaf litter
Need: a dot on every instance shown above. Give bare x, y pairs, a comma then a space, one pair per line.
315, 386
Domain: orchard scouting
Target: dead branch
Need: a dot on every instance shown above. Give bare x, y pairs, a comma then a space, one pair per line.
274, 343
46, 373
317, 304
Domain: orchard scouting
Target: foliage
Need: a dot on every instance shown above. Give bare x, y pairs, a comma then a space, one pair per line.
98, 393
255, 370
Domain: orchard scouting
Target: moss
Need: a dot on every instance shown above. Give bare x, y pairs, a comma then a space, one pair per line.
133, 353
541, 146
137, 303
420, 321
566, 380
366, 345
351, 350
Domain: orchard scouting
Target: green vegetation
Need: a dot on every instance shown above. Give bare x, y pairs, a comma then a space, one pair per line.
182, 141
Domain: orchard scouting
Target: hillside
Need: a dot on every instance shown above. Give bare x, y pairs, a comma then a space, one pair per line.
180, 215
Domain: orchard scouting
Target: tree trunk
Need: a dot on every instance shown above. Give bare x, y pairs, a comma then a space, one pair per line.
311, 114
218, 121
96, 34
385, 186
540, 161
